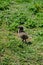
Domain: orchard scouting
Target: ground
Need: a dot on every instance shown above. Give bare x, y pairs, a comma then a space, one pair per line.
28, 13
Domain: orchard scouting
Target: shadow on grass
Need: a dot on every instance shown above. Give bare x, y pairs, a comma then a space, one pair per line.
20, 46
28, 43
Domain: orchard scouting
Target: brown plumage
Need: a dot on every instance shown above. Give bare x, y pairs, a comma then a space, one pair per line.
22, 34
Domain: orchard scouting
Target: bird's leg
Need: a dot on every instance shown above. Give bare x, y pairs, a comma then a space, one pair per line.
22, 40
25, 40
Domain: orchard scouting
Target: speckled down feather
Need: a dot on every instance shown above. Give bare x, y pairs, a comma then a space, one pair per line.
23, 35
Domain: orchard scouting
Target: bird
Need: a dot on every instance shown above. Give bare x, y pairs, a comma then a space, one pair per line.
22, 34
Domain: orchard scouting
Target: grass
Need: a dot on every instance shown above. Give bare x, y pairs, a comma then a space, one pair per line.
28, 13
